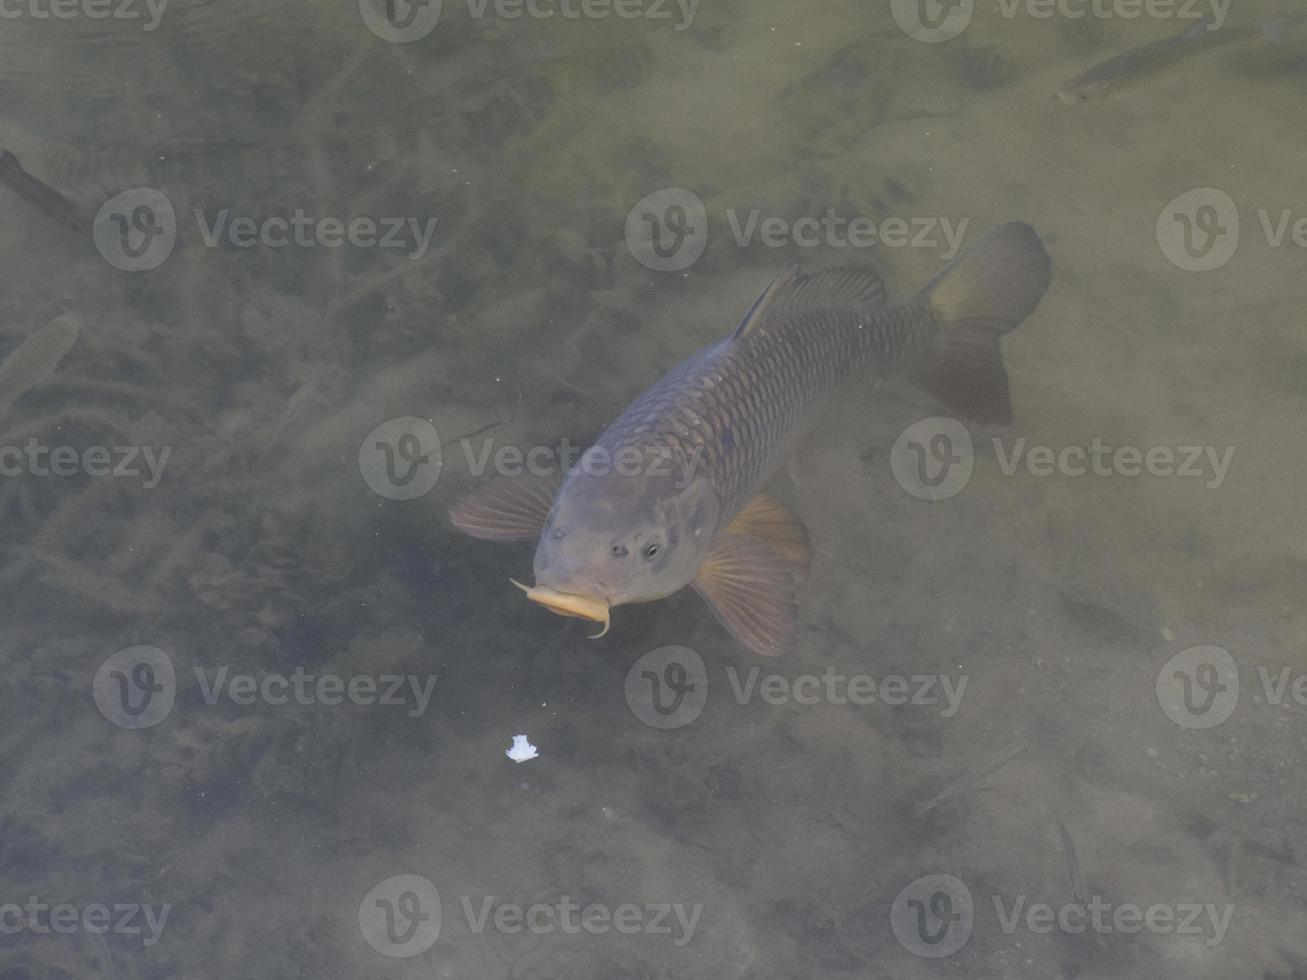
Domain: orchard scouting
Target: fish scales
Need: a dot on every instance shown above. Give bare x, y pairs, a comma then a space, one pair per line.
734, 411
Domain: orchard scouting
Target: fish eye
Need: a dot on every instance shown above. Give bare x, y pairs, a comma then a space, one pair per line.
650, 550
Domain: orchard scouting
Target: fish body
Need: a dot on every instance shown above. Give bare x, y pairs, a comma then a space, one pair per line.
35, 359
733, 411
1107, 78
668, 495
39, 193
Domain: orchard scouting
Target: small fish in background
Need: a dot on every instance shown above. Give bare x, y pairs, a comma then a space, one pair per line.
1108, 78
40, 194
685, 509
35, 359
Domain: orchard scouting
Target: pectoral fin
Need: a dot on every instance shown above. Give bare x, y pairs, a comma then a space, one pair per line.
751, 577
506, 508
766, 518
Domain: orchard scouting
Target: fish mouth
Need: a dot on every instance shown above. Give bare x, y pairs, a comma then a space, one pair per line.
569, 604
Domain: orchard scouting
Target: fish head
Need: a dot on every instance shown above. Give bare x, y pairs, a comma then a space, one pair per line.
613, 538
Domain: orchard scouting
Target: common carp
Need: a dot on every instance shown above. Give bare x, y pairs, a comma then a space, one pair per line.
668, 495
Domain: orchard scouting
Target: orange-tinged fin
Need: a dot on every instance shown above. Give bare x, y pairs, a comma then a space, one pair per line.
751, 589
751, 577
985, 292
794, 292
506, 508
767, 518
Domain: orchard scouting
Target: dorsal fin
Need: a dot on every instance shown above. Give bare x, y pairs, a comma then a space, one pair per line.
758, 311
794, 291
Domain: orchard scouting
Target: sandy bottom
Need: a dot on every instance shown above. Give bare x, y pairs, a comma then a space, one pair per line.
1038, 748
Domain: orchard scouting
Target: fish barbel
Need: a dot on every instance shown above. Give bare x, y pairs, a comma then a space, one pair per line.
668, 495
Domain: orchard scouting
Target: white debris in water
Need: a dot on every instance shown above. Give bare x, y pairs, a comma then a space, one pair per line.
522, 750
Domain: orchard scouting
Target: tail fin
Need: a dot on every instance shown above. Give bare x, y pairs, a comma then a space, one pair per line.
985, 292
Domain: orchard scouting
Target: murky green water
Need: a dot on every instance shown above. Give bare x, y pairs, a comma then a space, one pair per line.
258, 693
